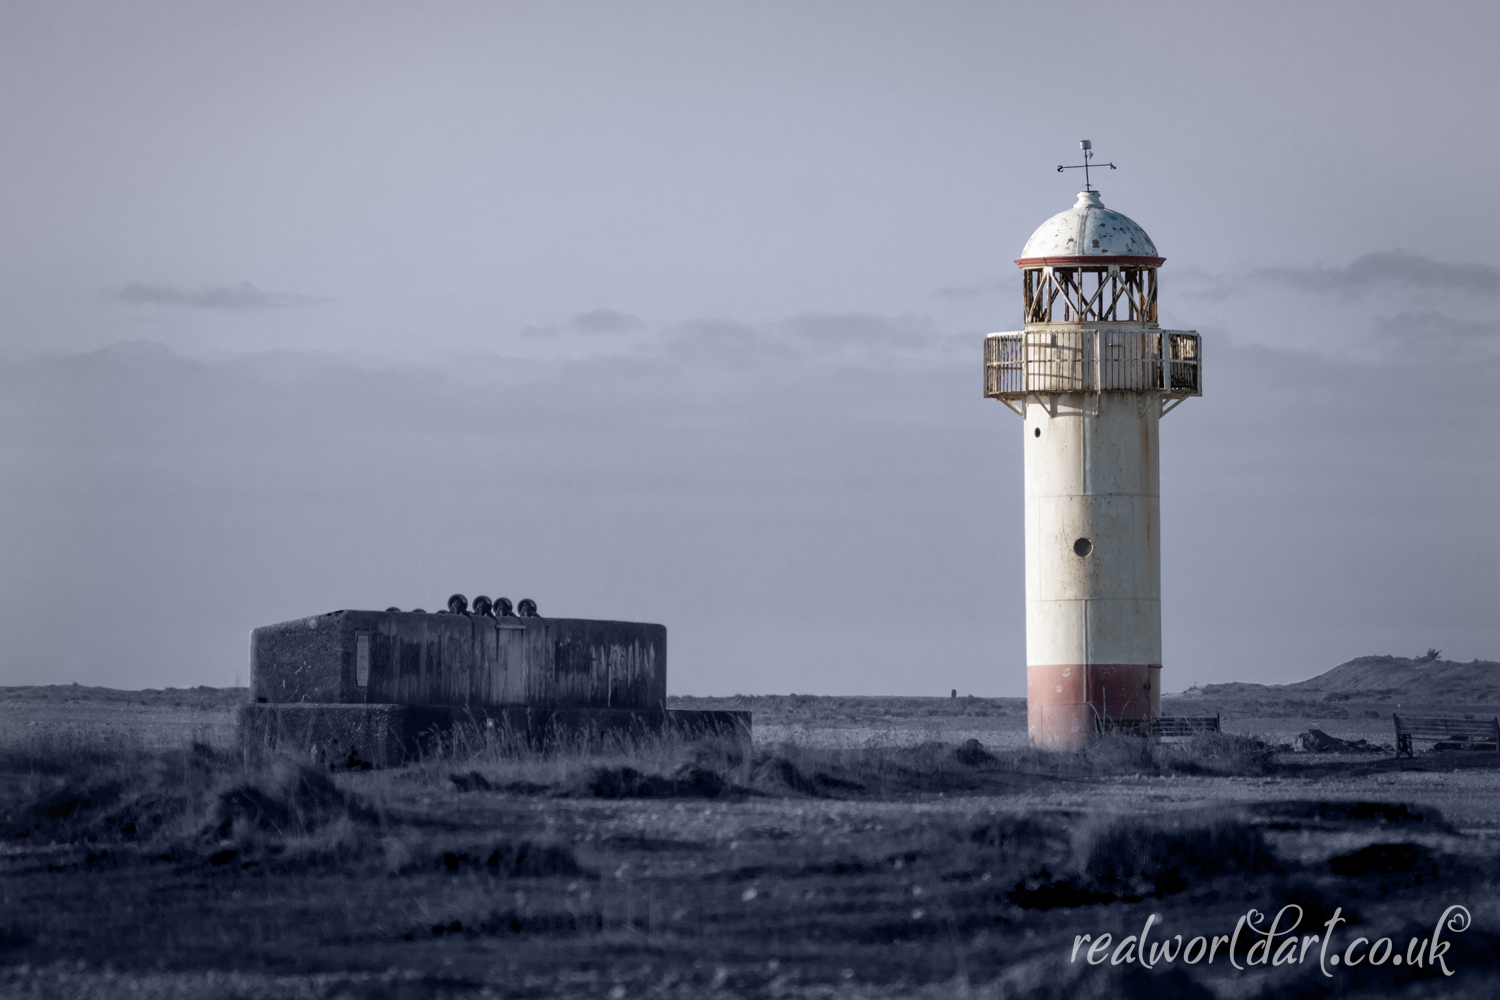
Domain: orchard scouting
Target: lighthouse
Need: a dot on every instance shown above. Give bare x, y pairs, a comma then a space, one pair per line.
1091, 376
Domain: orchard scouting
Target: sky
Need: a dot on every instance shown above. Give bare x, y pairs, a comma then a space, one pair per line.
673, 312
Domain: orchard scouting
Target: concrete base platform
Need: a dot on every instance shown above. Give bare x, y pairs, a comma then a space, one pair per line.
366, 736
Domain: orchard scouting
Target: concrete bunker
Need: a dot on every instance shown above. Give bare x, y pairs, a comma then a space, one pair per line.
376, 688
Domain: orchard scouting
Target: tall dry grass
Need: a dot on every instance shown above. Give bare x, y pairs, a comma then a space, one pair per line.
67, 748
791, 768
106, 791
477, 756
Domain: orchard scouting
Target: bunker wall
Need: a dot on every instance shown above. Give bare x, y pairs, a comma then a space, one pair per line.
373, 657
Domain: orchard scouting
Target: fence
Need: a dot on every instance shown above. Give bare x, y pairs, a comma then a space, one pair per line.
1081, 360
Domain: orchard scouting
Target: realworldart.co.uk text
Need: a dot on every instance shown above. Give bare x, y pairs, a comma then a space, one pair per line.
1255, 943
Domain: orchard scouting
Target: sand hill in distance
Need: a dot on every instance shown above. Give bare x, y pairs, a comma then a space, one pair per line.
1415, 683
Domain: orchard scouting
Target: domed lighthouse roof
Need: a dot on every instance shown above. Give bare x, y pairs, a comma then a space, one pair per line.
1089, 234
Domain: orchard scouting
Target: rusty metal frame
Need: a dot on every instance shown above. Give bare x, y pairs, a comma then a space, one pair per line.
1043, 287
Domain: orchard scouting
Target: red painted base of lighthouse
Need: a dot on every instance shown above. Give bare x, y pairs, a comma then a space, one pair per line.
1068, 703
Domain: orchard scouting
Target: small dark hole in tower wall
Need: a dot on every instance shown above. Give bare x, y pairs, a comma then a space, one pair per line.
1083, 547
1038, 432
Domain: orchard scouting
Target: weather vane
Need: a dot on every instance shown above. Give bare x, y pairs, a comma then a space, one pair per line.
1088, 154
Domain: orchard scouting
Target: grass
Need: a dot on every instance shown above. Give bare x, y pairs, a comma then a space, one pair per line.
68, 749
201, 698
781, 709
657, 866
474, 758
1139, 858
937, 767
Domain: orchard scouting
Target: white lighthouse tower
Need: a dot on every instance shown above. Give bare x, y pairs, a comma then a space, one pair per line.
1090, 376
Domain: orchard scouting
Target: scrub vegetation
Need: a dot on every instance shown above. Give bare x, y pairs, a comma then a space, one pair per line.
668, 868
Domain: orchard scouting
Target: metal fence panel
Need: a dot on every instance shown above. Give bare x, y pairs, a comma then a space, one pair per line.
1085, 360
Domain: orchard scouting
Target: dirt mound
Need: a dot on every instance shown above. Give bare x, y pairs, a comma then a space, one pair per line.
973, 754
629, 783
82, 801
511, 923
523, 860
1290, 815
777, 774
1317, 741
1383, 859
1140, 859
476, 782
63, 812
293, 799
1425, 679
1418, 679
1012, 834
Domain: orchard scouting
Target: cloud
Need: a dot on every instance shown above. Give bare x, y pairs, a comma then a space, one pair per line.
627, 487
1207, 285
604, 321
992, 286
1436, 334
1384, 269
701, 494
709, 342
1387, 268
825, 333
236, 298
813, 338
601, 321
708, 327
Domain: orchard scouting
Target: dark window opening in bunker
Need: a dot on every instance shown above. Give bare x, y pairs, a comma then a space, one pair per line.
1083, 547
1038, 432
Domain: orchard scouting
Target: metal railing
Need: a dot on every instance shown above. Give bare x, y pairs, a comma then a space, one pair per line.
1166, 727
1082, 360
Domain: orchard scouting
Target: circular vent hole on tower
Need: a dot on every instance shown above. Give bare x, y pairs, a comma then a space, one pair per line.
1038, 432
1083, 547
